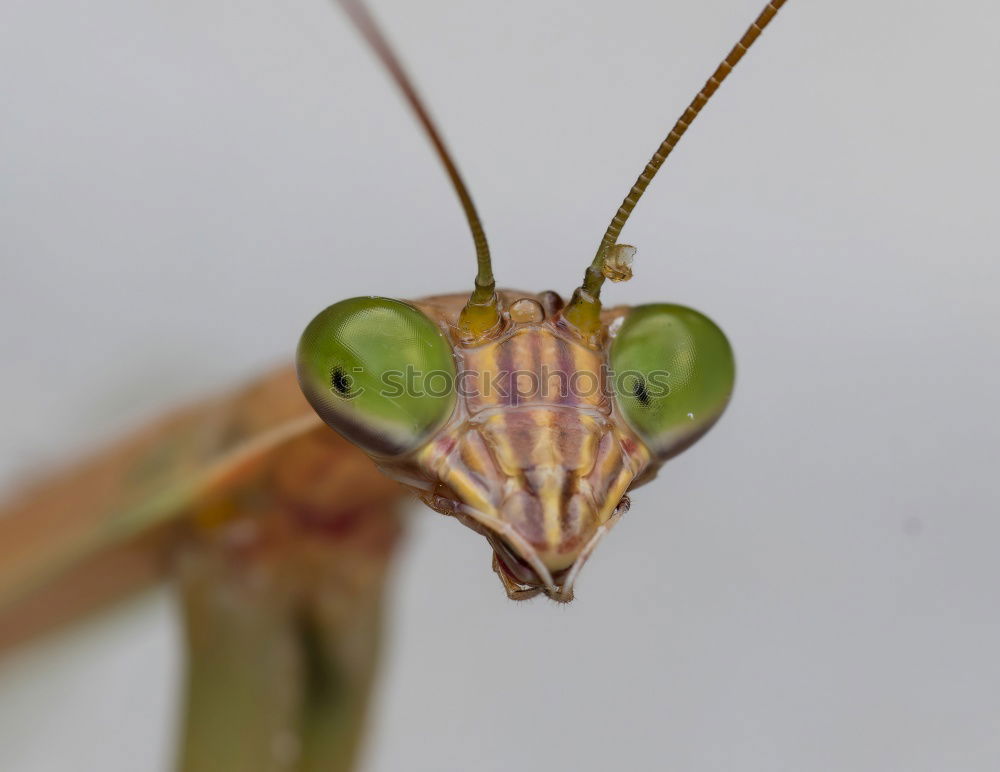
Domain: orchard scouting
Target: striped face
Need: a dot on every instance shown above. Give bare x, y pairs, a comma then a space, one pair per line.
535, 458
541, 445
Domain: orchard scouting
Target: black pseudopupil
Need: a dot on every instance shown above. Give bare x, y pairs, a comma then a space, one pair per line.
341, 381
640, 393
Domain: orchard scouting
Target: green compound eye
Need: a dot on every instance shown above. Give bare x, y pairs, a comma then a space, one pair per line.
379, 372
673, 374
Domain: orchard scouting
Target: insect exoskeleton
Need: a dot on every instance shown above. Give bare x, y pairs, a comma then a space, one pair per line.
533, 434
526, 418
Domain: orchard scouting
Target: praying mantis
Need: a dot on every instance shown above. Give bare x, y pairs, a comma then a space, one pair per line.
281, 531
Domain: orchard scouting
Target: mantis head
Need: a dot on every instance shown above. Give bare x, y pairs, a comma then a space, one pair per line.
532, 435
526, 418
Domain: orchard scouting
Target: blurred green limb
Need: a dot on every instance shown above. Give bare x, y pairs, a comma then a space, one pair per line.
276, 679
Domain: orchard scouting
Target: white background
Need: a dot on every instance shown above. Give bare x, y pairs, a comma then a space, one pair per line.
812, 587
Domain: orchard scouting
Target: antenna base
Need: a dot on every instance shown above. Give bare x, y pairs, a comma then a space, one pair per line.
583, 314
480, 317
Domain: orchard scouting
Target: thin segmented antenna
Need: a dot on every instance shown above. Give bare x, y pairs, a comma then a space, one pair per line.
594, 277
366, 25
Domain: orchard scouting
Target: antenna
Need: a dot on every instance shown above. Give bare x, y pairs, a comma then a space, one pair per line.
584, 309
481, 314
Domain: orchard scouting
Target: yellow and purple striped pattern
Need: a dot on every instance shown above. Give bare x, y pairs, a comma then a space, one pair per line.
534, 456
